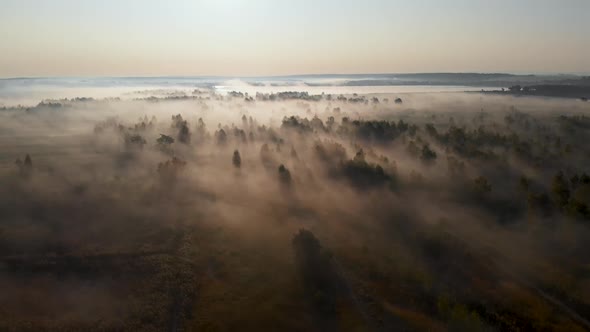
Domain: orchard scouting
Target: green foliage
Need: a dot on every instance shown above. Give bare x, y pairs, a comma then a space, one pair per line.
184, 134
363, 174
329, 152
170, 169
284, 175
236, 159
133, 141
165, 140
301, 126
201, 132
374, 131
431, 130
428, 156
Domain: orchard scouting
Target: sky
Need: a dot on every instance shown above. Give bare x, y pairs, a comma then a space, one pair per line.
281, 37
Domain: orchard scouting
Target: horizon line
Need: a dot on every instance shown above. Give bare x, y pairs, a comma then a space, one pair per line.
580, 74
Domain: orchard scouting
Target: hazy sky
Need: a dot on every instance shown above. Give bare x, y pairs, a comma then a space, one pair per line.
275, 37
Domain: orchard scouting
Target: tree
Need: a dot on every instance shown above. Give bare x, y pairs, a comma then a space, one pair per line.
28, 162
428, 156
184, 134
431, 130
284, 175
170, 169
165, 140
361, 174
360, 156
236, 159
201, 130
221, 137
134, 141
177, 121
165, 143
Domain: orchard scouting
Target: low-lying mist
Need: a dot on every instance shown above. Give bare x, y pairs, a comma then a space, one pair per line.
203, 211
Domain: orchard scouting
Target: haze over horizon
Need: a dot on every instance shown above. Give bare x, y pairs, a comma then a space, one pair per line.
303, 75
321, 166
265, 38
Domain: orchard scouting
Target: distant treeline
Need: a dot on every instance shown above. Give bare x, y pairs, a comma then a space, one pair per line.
580, 90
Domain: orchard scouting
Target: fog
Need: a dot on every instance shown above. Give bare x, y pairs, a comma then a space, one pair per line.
133, 211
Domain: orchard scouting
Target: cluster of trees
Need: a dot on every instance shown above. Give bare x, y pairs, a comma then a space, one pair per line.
329, 152
184, 134
132, 136
572, 196
170, 169
109, 124
303, 125
480, 143
155, 99
427, 155
363, 174
375, 131
284, 175
302, 95
287, 95
164, 143
133, 141
458, 143
237, 94
569, 196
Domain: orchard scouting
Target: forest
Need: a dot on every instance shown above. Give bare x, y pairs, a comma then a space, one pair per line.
202, 211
